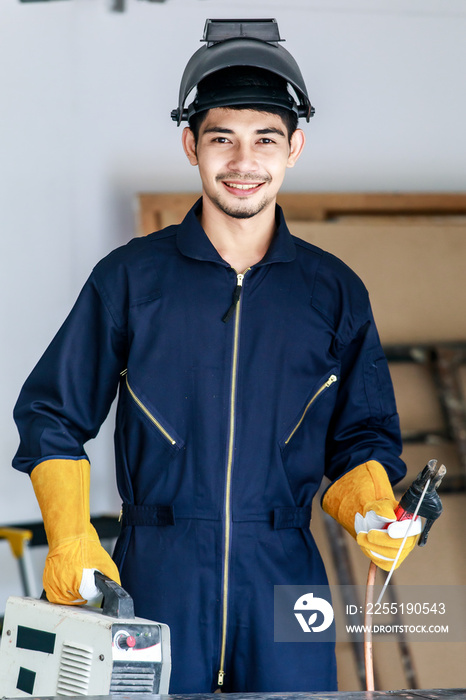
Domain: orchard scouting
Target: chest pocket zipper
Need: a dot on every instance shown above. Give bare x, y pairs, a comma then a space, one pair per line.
331, 380
149, 415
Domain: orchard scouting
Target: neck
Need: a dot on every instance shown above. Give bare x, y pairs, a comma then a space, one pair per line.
240, 242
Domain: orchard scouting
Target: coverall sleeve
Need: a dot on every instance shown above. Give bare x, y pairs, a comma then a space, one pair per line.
365, 423
69, 393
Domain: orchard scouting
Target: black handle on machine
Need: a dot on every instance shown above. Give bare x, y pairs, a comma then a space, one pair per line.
117, 602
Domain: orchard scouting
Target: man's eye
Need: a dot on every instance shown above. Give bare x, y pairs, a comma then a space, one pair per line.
266, 140
220, 139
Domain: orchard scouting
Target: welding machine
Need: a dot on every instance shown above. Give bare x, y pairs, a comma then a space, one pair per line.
49, 650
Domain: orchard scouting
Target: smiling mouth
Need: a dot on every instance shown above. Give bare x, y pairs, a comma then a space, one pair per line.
242, 187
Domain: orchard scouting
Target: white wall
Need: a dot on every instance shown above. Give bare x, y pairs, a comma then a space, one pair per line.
86, 96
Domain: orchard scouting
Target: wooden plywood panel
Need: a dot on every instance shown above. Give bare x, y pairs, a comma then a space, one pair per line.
424, 428
417, 398
155, 210
415, 272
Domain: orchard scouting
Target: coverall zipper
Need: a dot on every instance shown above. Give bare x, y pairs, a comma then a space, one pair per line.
333, 378
147, 413
234, 309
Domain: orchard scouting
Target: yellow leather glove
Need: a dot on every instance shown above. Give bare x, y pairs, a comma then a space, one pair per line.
62, 490
363, 502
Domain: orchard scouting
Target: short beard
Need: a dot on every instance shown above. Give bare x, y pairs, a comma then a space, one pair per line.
240, 213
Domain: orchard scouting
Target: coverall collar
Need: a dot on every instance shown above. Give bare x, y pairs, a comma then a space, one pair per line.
193, 242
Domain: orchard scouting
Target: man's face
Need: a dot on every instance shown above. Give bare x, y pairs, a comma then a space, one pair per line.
242, 157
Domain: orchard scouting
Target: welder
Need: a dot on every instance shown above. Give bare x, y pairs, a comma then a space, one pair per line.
248, 367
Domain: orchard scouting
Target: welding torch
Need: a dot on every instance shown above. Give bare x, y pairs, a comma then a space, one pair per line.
419, 500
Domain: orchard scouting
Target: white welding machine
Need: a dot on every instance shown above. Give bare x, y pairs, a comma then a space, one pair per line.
49, 650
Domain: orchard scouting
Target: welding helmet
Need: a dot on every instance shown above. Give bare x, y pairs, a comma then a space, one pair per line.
252, 44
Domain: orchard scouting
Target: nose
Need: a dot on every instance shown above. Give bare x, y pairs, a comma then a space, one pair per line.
243, 158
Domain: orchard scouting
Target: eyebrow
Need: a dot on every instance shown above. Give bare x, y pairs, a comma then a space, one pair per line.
217, 130
262, 132
271, 130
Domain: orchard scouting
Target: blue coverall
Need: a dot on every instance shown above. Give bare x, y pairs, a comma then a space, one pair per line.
226, 425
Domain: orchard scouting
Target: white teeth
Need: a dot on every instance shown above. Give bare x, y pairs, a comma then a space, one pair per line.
241, 187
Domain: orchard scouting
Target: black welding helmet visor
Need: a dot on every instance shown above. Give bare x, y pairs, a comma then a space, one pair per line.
242, 86
248, 53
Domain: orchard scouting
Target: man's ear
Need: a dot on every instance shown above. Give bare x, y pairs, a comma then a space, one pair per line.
189, 145
298, 139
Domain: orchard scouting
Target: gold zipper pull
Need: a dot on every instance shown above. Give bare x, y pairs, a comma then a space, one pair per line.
120, 517
221, 676
331, 380
124, 372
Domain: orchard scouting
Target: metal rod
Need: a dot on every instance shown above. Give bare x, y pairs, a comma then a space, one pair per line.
368, 603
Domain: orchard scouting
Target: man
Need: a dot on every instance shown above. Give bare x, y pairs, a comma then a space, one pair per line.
248, 366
